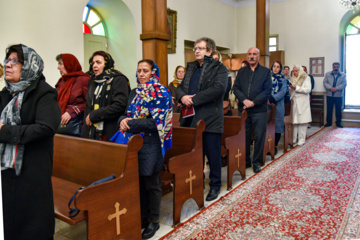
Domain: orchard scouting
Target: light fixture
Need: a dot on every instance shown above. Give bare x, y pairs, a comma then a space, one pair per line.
350, 4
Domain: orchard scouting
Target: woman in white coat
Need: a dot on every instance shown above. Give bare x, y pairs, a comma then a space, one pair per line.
300, 87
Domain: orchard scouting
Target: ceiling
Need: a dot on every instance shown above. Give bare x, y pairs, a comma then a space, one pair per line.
242, 3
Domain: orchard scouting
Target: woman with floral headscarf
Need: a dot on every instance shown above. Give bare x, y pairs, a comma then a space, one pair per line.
279, 88
29, 118
72, 88
149, 113
106, 98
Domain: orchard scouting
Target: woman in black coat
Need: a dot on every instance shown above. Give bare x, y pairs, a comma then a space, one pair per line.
149, 113
30, 116
106, 98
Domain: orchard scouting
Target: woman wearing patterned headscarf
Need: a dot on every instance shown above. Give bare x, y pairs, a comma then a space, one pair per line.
29, 118
72, 89
106, 98
149, 113
178, 77
300, 85
279, 88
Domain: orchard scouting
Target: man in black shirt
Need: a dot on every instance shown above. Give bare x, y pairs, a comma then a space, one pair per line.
252, 88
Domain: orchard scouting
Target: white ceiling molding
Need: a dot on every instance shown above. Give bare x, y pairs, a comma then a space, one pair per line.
244, 3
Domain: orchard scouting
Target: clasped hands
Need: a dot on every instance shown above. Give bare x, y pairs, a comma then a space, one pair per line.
248, 104
187, 100
333, 89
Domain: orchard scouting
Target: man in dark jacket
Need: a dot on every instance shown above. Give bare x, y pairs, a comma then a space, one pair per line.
252, 88
203, 88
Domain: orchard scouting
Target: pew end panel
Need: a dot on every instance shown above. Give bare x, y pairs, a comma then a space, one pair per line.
111, 209
187, 169
288, 130
176, 119
269, 146
236, 147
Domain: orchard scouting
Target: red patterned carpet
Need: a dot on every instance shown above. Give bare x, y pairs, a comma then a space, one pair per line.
312, 192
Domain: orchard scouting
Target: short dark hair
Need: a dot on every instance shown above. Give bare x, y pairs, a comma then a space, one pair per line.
287, 67
210, 44
245, 62
15, 49
336, 63
148, 61
59, 57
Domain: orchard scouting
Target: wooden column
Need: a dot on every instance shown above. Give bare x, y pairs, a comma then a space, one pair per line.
154, 34
262, 30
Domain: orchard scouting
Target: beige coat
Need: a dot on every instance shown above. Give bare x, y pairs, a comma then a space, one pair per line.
301, 102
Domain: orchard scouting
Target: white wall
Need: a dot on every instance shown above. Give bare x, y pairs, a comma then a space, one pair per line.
306, 28
46, 26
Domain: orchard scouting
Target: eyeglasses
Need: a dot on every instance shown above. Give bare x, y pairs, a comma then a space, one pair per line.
13, 61
199, 48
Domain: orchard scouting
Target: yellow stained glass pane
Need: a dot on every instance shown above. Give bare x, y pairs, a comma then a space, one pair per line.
356, 21
93, 18
85, 12
98, 29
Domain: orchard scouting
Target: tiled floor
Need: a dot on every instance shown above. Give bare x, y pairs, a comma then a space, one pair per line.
64, 231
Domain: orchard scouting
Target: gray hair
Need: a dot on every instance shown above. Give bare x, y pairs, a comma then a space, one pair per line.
210, 44
256, 49
59, 57
298, 67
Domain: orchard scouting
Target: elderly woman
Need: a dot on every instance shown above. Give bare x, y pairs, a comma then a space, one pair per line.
72, 89
279, 87
300, 86
30, 116
149, 114
178, 77
106, 98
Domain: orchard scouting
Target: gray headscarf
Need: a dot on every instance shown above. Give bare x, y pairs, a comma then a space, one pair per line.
12, 154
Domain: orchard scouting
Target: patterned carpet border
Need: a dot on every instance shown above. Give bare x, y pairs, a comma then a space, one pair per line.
190, 228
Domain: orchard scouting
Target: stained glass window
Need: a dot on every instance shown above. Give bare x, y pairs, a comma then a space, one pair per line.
93, 23
354, 26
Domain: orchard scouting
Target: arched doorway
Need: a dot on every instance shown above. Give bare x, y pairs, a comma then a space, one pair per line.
352, 60
94, 30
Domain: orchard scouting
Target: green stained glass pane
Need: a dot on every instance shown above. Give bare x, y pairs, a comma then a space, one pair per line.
351, 30
86, 9
356, 21
93, 18
99, 29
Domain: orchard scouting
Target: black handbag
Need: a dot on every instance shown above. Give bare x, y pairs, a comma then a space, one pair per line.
72, 128
74, 211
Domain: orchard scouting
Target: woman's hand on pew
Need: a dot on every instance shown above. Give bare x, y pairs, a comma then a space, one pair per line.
123, 124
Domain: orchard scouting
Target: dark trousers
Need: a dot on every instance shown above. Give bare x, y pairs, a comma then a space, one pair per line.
331, 101
212, 149
150, 197
256, 124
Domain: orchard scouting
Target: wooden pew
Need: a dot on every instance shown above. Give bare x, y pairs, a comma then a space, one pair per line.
234, 143
176, 119
269, 146
111, 209
288, 131
184, 164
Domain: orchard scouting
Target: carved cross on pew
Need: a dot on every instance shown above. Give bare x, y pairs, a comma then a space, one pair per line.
117, 215
190, 179
269, 140
238, 157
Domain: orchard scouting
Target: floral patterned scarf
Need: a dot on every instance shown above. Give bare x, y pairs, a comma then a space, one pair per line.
151, 99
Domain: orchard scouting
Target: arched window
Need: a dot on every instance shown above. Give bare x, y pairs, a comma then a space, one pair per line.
92, 22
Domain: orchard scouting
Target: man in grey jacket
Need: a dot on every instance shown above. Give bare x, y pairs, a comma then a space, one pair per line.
203, 89
334, 83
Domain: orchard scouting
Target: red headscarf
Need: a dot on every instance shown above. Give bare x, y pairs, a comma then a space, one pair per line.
73, 69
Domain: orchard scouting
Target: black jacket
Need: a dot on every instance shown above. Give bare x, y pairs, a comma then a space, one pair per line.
150, 156
208, 101
115, 107
257, 90
28, 199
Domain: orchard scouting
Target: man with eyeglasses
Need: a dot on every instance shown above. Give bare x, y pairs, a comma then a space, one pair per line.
203, 89
252, 87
